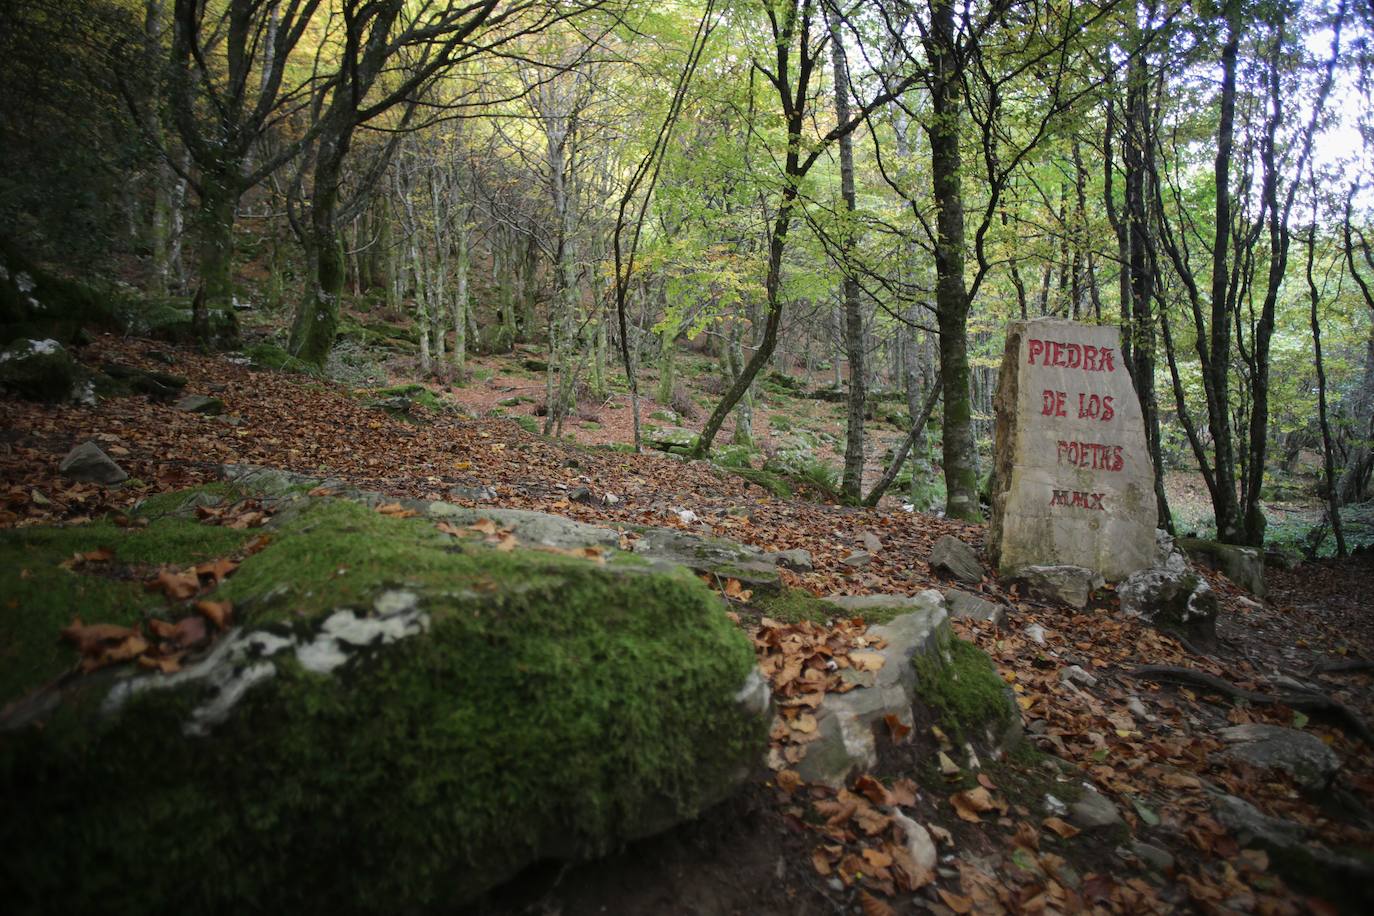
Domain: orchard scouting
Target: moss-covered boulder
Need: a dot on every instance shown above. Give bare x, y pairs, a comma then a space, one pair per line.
174, 321
36, 303
39, 370
402, 719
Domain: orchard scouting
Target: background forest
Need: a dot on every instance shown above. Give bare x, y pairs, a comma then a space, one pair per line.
696, 210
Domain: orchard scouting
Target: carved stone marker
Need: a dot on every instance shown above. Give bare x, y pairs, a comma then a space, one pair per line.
1072, 479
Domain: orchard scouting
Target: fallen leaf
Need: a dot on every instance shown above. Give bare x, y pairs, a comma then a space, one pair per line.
219, 569
872, 906
877, 858
396, 510
1061, 827
896, 728
175, 585
190, 632
217, 612
484, 526
873, 790
955, 902
788, 780
864, 660
971, 804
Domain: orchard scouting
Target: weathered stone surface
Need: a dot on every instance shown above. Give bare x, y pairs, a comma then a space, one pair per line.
201, 403
846, 721
1073, 585
87, 462
1093, 810
39, 370
953, 557
1312, 764
858, 558
1156, 857
669, 437
467, 710
1072, 479
797, 560
1310, 866
971, 607
928, 600
1242, 565
1172, 597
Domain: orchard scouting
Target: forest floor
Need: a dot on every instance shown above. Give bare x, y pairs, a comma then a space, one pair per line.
783, 847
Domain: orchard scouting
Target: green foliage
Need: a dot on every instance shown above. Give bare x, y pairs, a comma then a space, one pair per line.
271, 356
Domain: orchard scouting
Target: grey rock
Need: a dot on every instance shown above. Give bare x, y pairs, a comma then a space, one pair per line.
846, 722
1242, 565
858, 559
872, 543
669, 438
1252, 827
928, 600
1172, 597
1093, 810
797, 560
1154, 856
971, 607
1073, 585
953, 557
87, 462
1312, 764
1036, 634
580, 495
201, 403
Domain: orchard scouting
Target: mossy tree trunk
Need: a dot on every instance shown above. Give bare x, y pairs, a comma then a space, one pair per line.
215, 221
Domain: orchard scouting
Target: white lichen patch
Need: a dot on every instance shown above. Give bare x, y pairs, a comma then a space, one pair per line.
241, 660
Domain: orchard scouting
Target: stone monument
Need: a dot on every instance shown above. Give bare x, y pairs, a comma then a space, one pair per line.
1072, 482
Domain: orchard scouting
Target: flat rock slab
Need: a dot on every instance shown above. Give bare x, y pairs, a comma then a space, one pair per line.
971, 607
1312, 764
1073, 483
201, 403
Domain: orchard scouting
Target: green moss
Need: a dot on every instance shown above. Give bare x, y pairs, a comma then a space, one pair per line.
271, 356
528, 424
793, 605
550, 706
41, 597
962, 686
414, 392
766, 479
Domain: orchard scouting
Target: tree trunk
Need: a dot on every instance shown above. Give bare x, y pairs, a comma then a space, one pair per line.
851, 486
317, 321
951, 295
218, 203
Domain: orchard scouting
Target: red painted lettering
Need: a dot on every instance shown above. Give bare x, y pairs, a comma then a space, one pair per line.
1037, 348
1107, 411
1075, 355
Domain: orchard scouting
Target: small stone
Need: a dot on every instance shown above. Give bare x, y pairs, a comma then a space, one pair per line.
871, 542
201, 403
609, 499
87, 462
1155, 857
1035, 633
580, 495
1054, 807
1093, 810
971, 607
797, 560
1074, 674
1137, 708
1172, 597
955, 558
858, 559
